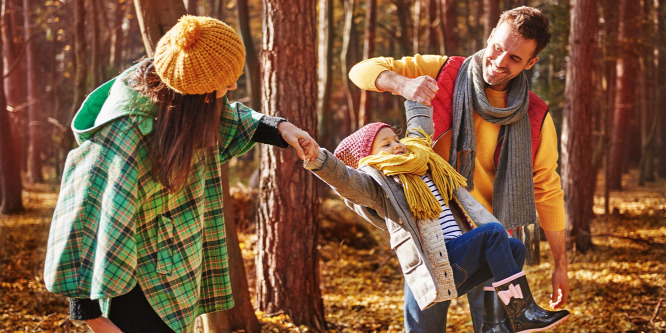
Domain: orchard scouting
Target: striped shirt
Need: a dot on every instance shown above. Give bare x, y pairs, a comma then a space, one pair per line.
450, 227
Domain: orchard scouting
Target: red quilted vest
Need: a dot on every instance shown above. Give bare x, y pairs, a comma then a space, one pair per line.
443, 106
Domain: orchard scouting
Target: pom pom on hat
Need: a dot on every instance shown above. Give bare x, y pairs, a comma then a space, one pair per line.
358, 144
199, 55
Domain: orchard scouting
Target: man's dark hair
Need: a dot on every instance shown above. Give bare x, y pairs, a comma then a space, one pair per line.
529, 23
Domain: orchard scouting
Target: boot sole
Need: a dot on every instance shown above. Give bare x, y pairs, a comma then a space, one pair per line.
547, 327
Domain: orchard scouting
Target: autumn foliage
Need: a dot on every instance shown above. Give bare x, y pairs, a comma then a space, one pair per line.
618, 286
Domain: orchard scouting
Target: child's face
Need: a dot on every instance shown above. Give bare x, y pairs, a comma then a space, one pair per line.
387, 141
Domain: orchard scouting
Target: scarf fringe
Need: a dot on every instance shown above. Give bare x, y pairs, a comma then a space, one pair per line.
531, 239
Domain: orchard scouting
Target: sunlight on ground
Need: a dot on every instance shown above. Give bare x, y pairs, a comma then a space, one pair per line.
618, 286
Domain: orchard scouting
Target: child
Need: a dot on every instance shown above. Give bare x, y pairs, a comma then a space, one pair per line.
406, 186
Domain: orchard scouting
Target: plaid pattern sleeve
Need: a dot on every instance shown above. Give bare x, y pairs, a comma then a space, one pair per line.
91, 242
238, 124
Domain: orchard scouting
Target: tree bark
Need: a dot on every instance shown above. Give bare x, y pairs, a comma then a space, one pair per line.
97, 64
14, 69
347, 34
403, 21
34, 116
324, 70
491, 17
434, 27
625, 96
10, 167
251, 58
118, 34
661, 84
287, 261
365, 105
449, 17
578, 178
155, 18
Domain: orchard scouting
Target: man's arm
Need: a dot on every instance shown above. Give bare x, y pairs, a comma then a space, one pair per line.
560, 280
410, 77
421, 89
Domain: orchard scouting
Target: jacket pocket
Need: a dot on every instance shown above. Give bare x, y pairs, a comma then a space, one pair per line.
164, 245
405, 250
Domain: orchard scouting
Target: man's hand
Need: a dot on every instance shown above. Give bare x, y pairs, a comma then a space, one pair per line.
560, 288
421, 89
560, 280
103, 325
306, 147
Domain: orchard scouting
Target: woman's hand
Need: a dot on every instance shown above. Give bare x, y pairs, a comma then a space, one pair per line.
306, 147
103, 325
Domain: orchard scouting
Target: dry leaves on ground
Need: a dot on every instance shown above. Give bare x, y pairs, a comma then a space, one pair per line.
618, 286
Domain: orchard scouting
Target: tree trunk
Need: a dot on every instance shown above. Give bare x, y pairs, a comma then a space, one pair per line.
118, 39
661, 84
96, 57
81, 65
155, 18
324, 69
347, 33
251, 58
650, 115
15, 80
287, 261
191, 7
365, 105
578, 178
416, 21
10, 167
434, 28
449, 17
403, 21
34, 111
625, 96
491, 17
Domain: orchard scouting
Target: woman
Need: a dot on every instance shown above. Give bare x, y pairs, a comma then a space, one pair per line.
137, 240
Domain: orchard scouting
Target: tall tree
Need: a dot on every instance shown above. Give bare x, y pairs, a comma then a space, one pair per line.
324, 70
10, 167
403, 23
578, 177
14, 72
449, 24
350, 90
156, 17
287, 261
650, 114
97, 63
491, 17
251, 58
34, 112
661, 84
625, 97
365, 107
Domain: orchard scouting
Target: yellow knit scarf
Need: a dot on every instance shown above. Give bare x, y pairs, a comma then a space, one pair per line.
410, 166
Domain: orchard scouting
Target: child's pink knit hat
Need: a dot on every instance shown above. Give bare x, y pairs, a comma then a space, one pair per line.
358, 144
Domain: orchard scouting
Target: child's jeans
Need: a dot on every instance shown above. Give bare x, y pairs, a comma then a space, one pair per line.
483, 253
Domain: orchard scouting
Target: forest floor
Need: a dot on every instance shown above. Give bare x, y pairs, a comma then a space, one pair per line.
617, 286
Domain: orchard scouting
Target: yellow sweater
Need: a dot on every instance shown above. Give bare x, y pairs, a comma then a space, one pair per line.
548, 192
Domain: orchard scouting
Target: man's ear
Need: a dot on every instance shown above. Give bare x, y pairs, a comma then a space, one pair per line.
531, 62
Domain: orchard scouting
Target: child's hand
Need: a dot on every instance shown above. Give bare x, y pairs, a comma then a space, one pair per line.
306, 147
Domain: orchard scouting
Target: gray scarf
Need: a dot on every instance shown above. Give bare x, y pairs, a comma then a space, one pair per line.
513, 190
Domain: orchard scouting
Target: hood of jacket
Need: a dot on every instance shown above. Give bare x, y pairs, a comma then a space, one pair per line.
112, 100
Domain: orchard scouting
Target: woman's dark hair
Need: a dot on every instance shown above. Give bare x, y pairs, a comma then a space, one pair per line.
184, 124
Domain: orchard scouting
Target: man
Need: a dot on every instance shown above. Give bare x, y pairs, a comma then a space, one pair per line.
497, 134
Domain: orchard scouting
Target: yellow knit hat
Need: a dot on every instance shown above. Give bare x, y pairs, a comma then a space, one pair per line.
199, 55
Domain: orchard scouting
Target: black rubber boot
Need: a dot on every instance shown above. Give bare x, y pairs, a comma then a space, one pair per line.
495, 319
525, 315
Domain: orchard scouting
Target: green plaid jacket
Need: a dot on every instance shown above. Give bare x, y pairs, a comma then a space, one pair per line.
114, 226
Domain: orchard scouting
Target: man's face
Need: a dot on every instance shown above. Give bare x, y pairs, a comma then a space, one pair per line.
506, 55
